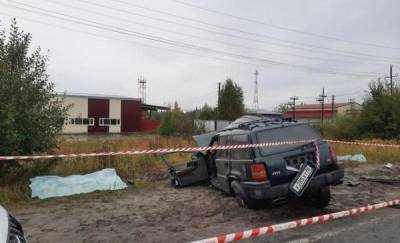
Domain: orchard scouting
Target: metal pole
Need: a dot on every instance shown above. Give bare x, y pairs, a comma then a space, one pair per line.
217, 116
391, 79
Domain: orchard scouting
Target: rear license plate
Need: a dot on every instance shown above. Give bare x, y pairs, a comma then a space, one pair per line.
303, 178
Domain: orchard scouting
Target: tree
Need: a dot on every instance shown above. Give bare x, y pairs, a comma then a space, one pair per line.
176, 122
31, 117
380, 114
378, 118
230, 104
207, 113
281, 108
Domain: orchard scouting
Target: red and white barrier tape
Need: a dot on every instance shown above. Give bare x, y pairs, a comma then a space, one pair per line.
187, 149
154, 151
252, 233
364, 144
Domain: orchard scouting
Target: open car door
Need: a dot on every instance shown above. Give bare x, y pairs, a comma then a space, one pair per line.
194, 171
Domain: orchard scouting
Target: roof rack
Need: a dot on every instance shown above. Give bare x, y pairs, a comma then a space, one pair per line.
258, 123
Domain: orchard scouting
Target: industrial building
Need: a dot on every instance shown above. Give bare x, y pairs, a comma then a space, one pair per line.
313, 112
108, 114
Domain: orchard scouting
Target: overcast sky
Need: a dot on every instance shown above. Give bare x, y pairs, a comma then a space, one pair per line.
284, 42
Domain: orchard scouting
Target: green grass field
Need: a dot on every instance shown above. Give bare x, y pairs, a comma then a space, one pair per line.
14, 185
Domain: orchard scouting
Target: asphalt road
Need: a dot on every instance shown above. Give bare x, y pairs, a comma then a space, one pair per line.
382, 225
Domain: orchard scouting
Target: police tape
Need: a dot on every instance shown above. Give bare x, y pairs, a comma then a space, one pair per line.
184, 149
156, 151
364, 144
252, 233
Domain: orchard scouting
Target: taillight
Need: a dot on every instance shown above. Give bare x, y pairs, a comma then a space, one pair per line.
332, 154
258, 172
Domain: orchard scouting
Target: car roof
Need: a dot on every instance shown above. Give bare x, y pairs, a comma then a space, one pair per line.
245, 124
250, 123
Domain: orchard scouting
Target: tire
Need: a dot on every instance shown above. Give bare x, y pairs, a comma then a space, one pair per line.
242, 198
322, 197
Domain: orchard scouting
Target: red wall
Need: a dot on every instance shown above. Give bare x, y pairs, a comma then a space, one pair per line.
308, 114
150, 125
131, 115
98, 108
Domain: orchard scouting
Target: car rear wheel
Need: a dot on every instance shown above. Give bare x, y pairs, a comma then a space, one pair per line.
322, 197
242, 198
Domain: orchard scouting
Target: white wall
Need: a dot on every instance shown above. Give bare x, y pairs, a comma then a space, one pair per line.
79, 109
115, 113
347, 108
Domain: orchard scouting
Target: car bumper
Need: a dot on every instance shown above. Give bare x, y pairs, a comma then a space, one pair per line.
264, 191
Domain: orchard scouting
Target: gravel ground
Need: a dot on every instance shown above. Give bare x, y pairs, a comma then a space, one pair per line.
158, 213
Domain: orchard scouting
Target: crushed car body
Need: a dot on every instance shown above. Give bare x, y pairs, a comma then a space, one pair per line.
264, 174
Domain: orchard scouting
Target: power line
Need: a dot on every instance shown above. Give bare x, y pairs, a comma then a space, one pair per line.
242, 31
206, 39
330, 52
285, 28
133, 42
119, 30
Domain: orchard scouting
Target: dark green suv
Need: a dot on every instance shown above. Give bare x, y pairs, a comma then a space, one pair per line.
265, 174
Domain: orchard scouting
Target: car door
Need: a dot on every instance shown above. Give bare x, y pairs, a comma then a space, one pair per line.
240, 159
222, 164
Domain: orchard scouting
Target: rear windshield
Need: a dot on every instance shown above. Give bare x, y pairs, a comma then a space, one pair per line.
291, 133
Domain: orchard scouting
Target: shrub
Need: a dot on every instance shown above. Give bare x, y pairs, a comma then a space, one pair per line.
178, 123
30, 115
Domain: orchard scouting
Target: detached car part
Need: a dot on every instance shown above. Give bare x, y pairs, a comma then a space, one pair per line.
10, 229
188, 173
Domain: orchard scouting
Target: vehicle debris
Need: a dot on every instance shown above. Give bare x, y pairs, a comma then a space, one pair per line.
267, 174
388, 166
352, 182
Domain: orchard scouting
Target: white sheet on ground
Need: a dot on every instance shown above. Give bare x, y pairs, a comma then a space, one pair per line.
355, 157
56, 186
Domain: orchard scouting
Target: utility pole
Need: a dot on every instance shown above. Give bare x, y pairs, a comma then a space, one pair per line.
391, 79
391, 76
322, 100
255, 100
333, 105
142, 89
217, 116
294, 98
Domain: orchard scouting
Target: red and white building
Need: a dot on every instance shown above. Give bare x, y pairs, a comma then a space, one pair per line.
108, 114
313, 112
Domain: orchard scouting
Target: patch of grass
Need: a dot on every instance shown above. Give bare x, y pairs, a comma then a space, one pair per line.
14, 182
373, 154
14, 179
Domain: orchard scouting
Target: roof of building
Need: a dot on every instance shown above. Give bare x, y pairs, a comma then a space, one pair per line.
318, 106
154, 107
260, 112
102, 96
98, 96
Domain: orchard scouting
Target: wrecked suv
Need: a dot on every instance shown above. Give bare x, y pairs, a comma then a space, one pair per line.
264, 174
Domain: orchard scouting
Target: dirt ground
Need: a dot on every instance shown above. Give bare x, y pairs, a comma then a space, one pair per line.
158, 213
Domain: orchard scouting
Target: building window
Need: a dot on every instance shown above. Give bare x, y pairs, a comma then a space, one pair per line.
82, 121
109, 122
